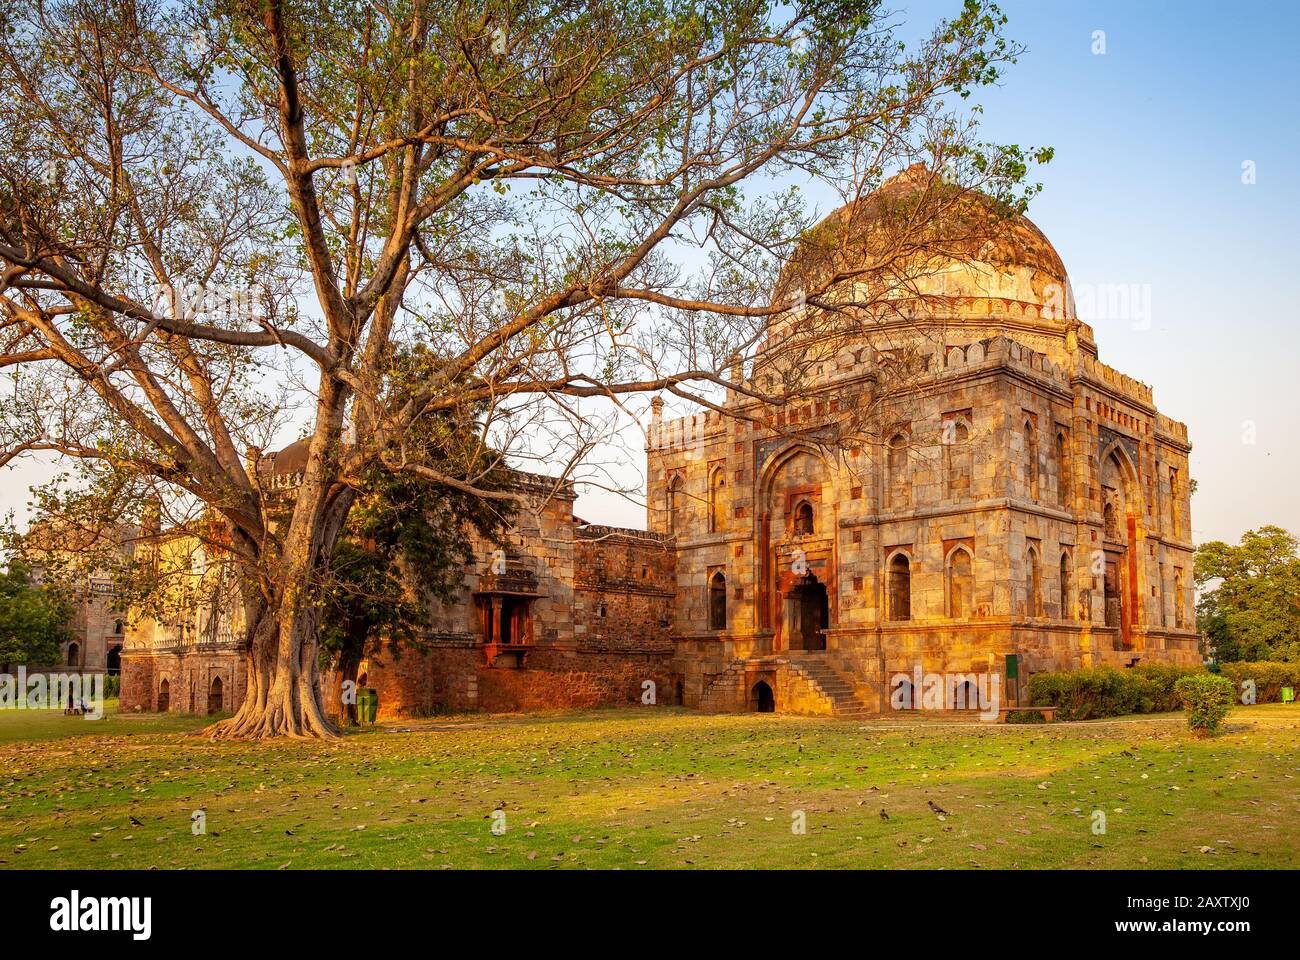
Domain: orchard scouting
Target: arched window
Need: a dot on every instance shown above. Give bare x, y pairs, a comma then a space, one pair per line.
900, 587
164, 696
1030, 438
718, 601
1064, 488
215, 696
1033, 584
74, 652
1066, 587
900, 491
717, 502
957, 452
803, 519
960, 584
674, 505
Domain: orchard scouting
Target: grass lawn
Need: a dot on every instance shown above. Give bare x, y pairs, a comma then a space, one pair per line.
654, 787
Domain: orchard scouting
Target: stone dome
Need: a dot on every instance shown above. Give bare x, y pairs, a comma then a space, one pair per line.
918, 236
291, 460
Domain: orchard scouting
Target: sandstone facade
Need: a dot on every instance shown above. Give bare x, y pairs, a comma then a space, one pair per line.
1013, 495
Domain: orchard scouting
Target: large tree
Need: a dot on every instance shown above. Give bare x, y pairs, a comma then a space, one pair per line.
211, 210
1249, 603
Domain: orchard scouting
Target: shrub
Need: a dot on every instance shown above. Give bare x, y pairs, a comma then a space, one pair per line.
1159, 680
1106, 692
1269, 678
1208, 699
1025, 716
112, 685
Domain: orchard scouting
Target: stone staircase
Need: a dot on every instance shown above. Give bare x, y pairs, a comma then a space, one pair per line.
846, 700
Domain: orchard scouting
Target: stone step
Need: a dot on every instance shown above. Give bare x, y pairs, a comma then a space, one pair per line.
834, 684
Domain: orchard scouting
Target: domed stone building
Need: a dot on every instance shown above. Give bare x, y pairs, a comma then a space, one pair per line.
955, 486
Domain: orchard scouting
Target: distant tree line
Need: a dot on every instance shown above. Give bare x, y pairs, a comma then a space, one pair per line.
1249, 596
33, 619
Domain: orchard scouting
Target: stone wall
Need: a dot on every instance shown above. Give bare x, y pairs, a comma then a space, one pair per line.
189, 676
624, 582
455, 679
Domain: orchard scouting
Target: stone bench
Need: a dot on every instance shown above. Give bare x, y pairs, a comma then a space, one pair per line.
1049, 713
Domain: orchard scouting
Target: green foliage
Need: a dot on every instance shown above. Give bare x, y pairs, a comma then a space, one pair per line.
33, 618
1106, 692
1269, 678
408, 540
1025, 716
1249, 604
1208, 699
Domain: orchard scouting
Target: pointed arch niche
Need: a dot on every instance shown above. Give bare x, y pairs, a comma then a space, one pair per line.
1121, 508
797, 582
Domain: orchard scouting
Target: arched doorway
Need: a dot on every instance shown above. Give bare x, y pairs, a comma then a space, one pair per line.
761, 698
74, 654
114, 662
164, 696
807, 615
215, 702
902, 695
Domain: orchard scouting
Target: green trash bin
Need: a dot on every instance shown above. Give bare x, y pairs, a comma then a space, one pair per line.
1288, 695
367, 704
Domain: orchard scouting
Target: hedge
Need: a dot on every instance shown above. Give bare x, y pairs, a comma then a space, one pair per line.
1106, 692
1269, 678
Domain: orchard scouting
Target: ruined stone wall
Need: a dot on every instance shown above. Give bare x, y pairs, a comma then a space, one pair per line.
454, 679
624, 585
601, 629
189, 677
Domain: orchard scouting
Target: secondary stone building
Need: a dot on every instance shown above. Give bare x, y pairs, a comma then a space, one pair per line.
566, 614
186, 653
82, 564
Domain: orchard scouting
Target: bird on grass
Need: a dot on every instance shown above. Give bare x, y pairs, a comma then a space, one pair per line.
937, 809
883, 815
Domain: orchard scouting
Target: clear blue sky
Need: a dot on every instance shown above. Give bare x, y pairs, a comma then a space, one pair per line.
1146, 187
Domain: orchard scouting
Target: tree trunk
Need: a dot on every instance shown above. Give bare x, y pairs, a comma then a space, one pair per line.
283, 697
